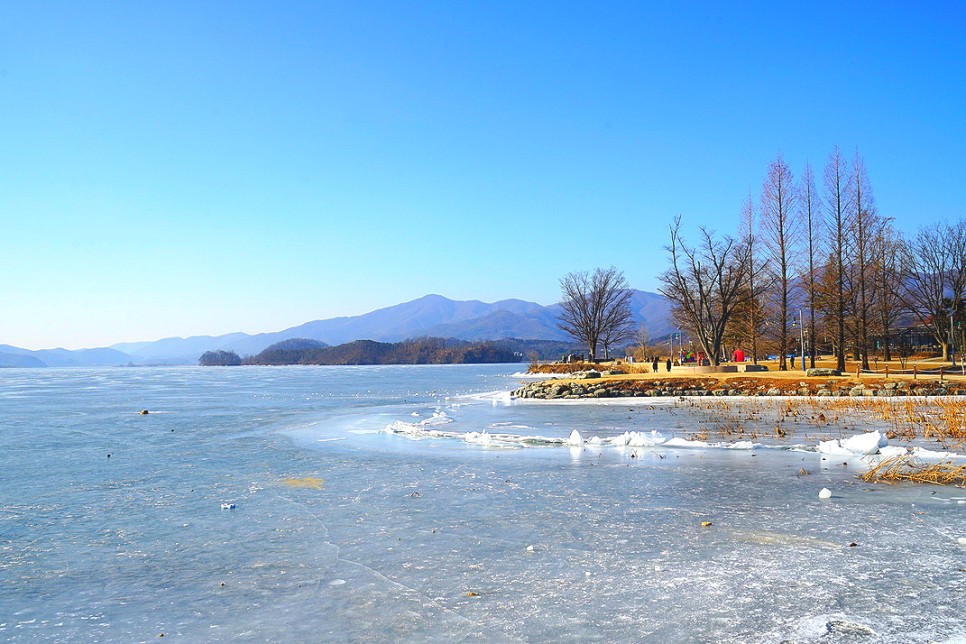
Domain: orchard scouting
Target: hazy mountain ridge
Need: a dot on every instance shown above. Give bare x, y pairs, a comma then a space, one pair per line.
429, 316
99, 357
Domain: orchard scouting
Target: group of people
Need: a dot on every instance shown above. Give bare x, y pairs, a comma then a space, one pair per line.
693, 357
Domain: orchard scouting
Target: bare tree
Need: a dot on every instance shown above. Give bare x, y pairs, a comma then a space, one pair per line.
781, 233
926, 263
704, 284
595, 308
614, 333
934, 278
865, 227
828, 298
643, 339
810, 206
886, 280
749, 314
956, 275
838, 188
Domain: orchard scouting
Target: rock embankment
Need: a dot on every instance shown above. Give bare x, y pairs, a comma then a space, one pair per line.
590, 385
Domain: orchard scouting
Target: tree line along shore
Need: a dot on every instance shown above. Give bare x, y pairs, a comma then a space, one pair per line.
596, 385
301, 351
816, 268
621, 379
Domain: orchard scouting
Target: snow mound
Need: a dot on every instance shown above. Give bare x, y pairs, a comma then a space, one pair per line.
639, 439
859, 445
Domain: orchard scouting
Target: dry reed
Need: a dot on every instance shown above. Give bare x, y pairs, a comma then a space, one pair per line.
908, 469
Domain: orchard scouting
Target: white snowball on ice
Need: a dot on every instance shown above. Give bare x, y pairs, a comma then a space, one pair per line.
825, 493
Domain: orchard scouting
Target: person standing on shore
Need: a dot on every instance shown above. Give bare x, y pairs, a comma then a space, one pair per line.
668, 365
654, 365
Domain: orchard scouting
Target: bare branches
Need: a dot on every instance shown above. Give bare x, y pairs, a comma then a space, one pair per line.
781, 231
838, 189
933, 264
704, 284
810, 205
827, 248
864, 231
595, 308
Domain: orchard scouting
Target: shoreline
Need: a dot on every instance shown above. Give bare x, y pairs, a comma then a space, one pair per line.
608, 385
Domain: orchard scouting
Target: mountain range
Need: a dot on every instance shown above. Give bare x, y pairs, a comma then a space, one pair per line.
429, 316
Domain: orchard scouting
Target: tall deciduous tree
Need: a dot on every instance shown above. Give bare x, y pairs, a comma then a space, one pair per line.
781, 233
595, 308
749, 316
865, 229
810, 208
887, 278
704, 284
837, 201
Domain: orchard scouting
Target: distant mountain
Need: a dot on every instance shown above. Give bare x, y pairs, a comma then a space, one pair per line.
104, 357
429, 316
539, 325
180, 350
296, 344
402, 321
417, 351
19, 360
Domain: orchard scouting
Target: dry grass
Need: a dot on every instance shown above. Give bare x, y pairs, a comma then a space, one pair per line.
571, 367
942, 420
936, 420
900, 469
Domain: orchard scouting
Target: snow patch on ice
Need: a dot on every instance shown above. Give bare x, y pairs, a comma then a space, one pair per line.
639, 439
859, 445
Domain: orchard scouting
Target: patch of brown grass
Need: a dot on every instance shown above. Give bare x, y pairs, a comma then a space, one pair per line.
901, 468
571, 367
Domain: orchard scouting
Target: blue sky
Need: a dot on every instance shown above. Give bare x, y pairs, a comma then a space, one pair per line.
183, 168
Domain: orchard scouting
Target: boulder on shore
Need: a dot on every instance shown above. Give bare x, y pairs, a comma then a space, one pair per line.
811, 373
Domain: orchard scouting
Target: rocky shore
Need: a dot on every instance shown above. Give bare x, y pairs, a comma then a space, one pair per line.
593, 384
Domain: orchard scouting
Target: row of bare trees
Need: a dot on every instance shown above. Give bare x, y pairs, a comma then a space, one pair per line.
827, 253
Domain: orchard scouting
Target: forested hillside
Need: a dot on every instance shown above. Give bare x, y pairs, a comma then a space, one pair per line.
417, 351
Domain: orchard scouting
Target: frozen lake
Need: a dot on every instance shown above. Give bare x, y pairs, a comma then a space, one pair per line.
422, 504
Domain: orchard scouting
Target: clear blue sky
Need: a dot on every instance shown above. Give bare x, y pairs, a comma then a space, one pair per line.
183, 168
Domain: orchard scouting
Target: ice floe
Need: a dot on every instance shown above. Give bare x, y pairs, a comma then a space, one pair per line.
859, 445
500, 434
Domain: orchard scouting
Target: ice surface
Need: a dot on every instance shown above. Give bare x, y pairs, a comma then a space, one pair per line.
454, 536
